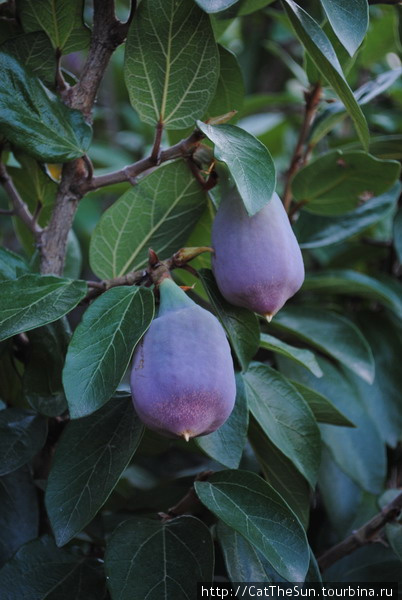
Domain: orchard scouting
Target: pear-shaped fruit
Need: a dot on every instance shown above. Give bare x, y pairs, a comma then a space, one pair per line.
257, 262
182, 380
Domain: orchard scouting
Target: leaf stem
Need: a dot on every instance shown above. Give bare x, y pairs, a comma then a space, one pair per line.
363, 535
312, 99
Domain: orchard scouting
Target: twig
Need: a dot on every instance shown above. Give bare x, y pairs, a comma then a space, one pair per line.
190, 503
181, 149
363, 535
20, 208
312, 98
155, 154
7, 212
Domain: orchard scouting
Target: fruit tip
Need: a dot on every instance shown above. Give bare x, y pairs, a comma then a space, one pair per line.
186, 436
268, 317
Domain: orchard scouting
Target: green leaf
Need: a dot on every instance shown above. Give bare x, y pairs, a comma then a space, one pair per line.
323, 410
230, 90
335, 113
42, 384
285, 418
41, 571
349, 22
373, 563
315, 231
397, 236
329, 332
171, 63
240, 324
214, 6
353, 283
250, 506
249, 162
159, 213
244, 563
35, 51
306, 358
11, 265
226, 444
39, 122
337, 182
323, 55
281, 473
22, 435
61, 20
35, 300
102, 345
382, 399
19, 512
359, 451
90, 457
160, 560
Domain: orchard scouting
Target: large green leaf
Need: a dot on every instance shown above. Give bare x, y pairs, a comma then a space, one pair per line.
160, 561
348, 20
19, 513
306, 358
35, 300
320, 50
249, 162
159, 213
229, 93
329, 332
34, 50
102, 345
337, 182
22, 435
323, 410
372, 563
39, 122
241, 325
359, 451
383, 398
314, 231
62, 20
254, 509
172, 62
226, 444
244, 563
42, 384
285, 418
89, 460
41, 571
281, 473
344, 281
11, 265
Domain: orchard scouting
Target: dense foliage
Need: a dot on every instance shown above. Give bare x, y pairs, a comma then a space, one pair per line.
204, 100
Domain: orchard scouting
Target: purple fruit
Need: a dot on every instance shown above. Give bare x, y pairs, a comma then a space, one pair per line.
182, 379
257, 262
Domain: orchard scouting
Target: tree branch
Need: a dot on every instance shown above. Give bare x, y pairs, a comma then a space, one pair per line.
108, 33
312, 98
179, 150
20, 208
363, 535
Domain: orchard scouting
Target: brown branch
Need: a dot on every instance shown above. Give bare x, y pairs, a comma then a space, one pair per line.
20, 208
179, 150
312, 99
156, 150
363, 535
108, 33
189, 504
